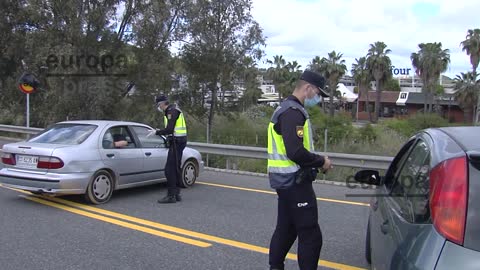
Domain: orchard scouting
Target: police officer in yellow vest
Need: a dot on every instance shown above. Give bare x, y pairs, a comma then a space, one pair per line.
176, 132
292, 166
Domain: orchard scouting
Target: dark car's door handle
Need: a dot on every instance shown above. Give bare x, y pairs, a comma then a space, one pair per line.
385, 227
148, 154
110, 155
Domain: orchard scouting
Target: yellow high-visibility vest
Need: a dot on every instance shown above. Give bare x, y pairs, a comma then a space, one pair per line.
282, 170
180, 129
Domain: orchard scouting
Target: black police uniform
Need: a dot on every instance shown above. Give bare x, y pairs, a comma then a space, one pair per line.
174, 157
297, 205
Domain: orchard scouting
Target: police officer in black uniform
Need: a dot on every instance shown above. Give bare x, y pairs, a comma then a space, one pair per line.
292, 167
175, 130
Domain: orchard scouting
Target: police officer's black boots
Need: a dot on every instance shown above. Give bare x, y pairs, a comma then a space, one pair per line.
178, 197
168, 199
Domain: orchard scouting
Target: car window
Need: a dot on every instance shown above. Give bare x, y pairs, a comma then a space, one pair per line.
419, 195
410, 189
153, 141
118, 137
65, 134
396, 165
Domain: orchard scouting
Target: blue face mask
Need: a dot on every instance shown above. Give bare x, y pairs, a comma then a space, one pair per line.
310, 102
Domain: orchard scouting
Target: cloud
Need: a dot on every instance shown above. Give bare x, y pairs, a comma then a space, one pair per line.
302, 29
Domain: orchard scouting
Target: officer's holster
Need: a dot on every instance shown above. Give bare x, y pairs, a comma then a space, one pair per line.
306, 175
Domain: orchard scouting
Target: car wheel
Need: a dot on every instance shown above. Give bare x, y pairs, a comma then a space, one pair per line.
368, 249
100, 188
189, 173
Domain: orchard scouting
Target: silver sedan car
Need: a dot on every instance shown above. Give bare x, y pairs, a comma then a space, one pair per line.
93, 158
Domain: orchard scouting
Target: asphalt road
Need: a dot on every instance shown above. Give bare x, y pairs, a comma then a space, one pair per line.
224, 222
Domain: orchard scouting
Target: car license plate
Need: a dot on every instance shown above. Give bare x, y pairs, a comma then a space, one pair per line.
27, 161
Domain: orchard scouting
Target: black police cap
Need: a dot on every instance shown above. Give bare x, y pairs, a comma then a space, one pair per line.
160, 98
315, 79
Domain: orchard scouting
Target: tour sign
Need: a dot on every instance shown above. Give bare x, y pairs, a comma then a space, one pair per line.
400, 71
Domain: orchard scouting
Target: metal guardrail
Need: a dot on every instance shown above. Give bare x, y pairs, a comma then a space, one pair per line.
19, 129
338, 159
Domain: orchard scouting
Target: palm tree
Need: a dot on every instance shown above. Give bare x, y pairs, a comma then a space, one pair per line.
362, 78
278, 73
466, 86
293, 66
472, 46
292, 73
278, 61
249, 71
429, 62
379, 65
333, 69
316, 64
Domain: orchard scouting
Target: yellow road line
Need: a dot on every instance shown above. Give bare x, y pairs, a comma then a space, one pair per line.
206, 237
121, 223
194, 234
272, 192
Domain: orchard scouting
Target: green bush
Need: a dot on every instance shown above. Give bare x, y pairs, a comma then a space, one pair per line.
252, 165
196, 130
239, 130
400, 126
415, 123
13, 117
367, 133
338, 127
378, 140
423, 121
259, 112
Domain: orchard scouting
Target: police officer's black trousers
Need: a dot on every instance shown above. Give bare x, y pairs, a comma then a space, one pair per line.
297, 216
172, 168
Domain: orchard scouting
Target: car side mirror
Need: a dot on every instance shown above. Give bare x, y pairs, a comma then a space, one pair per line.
370, 177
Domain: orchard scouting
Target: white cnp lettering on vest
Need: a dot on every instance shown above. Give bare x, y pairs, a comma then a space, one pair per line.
400, 71
302, 204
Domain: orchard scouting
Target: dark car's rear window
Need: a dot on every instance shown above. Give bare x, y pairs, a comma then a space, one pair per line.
65, 134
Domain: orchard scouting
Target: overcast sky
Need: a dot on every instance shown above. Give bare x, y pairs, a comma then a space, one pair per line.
302, 29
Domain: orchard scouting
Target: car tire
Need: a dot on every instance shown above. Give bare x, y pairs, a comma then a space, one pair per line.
368, 248
189, 173
100, 188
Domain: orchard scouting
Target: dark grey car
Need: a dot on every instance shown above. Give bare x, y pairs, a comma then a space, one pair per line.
425, 213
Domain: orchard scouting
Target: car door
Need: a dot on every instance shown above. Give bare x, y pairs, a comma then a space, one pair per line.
154, 153
379, 219
127, 161
404, 211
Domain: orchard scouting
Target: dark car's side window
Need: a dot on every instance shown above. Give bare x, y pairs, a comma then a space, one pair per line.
410, 189
153, 141
397, 164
